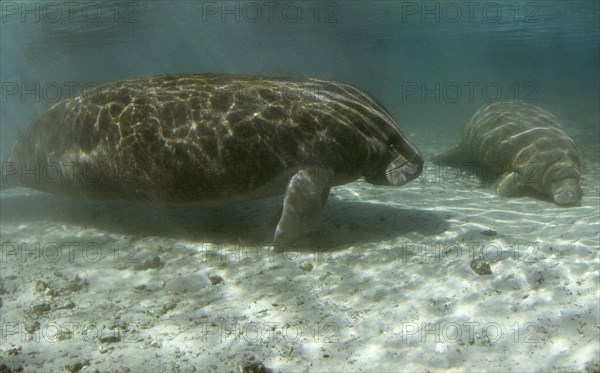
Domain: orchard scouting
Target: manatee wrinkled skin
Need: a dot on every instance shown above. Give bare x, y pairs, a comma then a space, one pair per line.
529, 147
214, 138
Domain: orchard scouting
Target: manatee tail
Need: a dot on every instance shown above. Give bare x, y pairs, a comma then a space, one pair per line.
451, 156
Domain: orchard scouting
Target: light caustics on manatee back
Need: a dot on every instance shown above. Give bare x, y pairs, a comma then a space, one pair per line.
213, 138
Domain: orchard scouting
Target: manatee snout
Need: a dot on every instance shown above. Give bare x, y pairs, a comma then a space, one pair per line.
400, 175
407, 166
568, 193
563, 183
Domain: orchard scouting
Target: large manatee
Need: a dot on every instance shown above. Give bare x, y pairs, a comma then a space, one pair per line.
212, 138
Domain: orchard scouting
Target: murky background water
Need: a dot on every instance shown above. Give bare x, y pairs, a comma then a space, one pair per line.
431, 63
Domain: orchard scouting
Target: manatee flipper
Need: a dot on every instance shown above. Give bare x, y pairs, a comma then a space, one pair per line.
303, 202
509, 184
277, 216
324, 196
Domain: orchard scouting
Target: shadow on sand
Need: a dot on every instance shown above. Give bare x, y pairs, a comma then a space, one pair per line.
344, 222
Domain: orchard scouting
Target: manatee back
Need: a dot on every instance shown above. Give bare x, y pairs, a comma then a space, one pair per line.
204, 137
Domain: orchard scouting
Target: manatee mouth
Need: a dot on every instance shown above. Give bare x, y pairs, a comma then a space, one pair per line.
401, 170
563, 184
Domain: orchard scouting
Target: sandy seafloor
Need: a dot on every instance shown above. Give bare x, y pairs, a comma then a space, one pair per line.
386, 284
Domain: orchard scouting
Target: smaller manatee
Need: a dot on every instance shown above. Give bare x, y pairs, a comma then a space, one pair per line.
529, 147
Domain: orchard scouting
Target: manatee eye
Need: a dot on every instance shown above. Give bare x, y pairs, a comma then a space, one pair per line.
394, 148
392, 142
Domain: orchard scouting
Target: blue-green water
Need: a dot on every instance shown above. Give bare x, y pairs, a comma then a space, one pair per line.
431, 63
